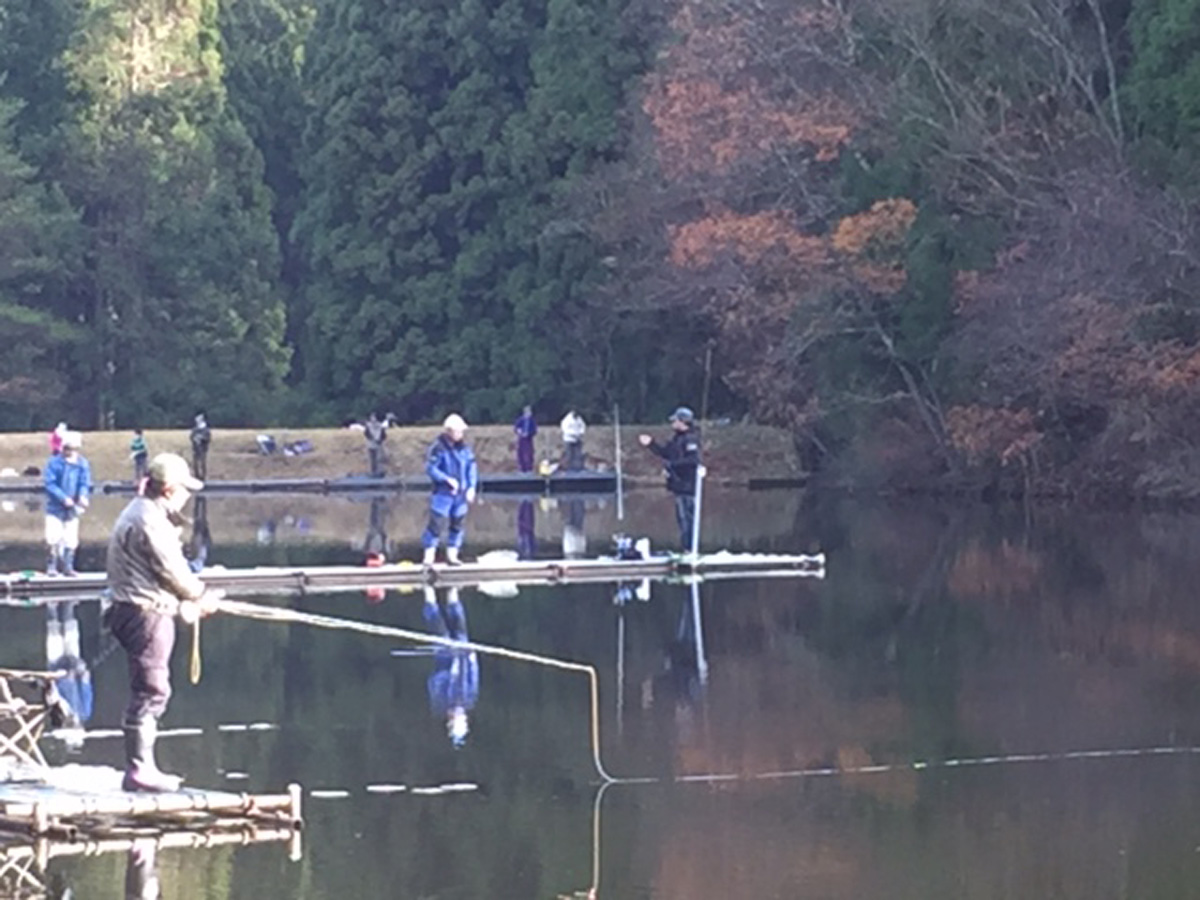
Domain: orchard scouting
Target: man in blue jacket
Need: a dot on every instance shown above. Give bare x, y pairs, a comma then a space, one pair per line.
450, 465
68, 485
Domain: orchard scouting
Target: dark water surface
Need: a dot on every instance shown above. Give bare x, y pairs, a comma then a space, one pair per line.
985, 638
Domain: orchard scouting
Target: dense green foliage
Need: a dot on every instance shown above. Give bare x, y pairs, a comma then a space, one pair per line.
441, 272
851, 222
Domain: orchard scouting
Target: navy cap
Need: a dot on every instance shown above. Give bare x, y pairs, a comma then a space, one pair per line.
683, 414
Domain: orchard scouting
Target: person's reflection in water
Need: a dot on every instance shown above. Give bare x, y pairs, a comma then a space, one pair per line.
454, 682
141, 871
526, 530
681, 681
574, 540
63, 654
376, 543
201, 543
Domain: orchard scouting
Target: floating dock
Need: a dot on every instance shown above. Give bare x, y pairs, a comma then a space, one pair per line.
70, 801
26, 587
558, 484
81, 811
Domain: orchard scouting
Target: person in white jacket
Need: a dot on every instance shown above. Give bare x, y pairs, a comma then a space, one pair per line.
573, 428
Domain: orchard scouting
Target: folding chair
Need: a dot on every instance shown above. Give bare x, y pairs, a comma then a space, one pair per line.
18, 876
27, 701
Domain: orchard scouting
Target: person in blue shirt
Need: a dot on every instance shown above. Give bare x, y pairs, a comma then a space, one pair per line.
68, 486
450, 465
454, 682
525, 429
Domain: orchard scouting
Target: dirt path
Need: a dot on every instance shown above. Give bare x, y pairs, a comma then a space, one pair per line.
734, 454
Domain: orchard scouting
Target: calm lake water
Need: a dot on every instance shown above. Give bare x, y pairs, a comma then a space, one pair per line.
942, 717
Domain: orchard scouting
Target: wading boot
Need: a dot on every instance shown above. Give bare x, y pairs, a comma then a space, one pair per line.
68, 563
430, 556
52, 563
141, 771
452, 557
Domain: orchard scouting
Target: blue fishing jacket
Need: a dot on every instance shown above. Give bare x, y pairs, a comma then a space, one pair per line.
64, 479
446, 460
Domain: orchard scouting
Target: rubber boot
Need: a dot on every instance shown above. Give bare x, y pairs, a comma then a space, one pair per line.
68, 563
430, 556
452, 557
52, 562
141, 771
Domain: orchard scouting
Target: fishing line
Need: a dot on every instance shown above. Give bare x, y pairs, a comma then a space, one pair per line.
296, 617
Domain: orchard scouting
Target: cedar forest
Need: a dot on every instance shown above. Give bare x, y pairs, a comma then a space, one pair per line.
944, 242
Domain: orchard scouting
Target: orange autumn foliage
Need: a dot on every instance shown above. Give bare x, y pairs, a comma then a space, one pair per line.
878, 233
749, 237
985, 434
710, 111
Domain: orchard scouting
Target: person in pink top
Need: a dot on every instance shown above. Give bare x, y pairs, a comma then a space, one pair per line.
56, 438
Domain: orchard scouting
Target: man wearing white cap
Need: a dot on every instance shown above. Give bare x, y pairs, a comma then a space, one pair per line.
68, 484
450, 465
151, 584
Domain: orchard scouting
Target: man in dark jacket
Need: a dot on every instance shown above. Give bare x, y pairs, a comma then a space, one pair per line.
681, 461
450, 465
525, 428
375, 433
201, 437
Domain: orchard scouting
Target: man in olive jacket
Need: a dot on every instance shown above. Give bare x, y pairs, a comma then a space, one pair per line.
151, 584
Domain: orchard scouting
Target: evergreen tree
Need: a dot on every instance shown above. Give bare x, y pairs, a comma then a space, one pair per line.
181, 290
440, 145
1163, 84
263, 54
33, 37
37, 233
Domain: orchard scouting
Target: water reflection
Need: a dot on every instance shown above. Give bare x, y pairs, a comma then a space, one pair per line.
64, 653
200, 543
574, 538
526, 530
941, 634
141, 871
454, 682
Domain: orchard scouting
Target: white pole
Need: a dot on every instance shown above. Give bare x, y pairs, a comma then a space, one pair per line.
700, 473
698, 626
621, 672
620, 480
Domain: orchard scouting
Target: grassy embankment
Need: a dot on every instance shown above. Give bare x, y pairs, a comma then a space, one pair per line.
734, 454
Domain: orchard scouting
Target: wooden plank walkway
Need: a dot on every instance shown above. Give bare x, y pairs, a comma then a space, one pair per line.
79, 800
25, 856
19, 588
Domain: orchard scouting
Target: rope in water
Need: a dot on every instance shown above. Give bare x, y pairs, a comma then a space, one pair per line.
290, 616
296, 617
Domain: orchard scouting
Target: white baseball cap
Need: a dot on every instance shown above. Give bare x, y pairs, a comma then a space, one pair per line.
171, 469
455, 422
72, 439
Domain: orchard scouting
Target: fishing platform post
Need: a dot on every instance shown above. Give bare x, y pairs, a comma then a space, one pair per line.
620, 479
